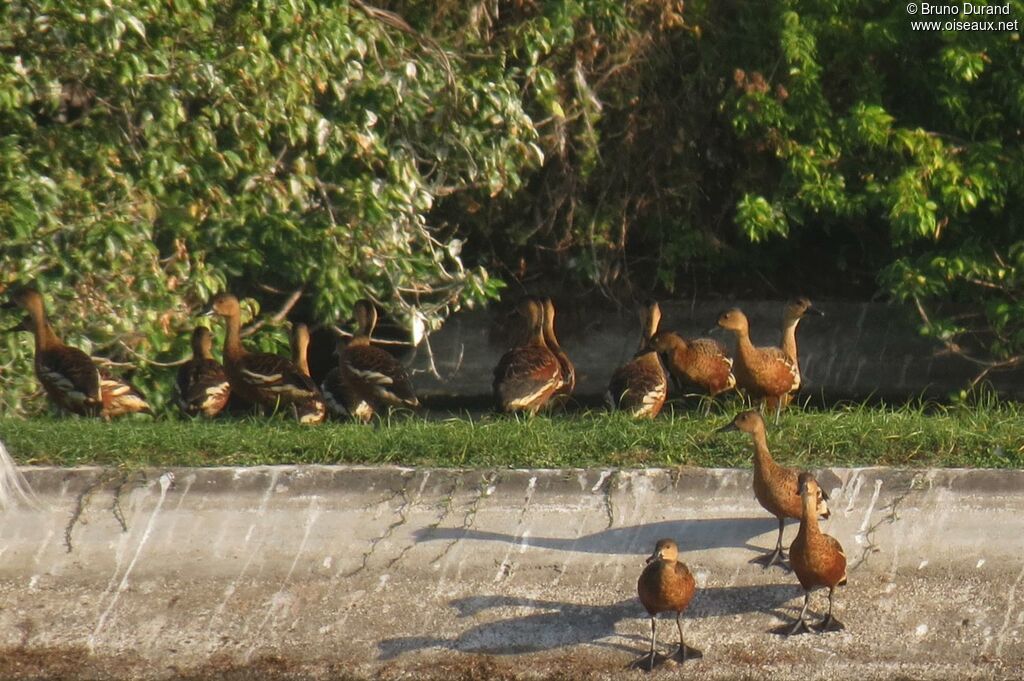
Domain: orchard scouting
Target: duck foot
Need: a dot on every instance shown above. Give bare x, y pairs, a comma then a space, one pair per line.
801, 627
776, 557
685, 652
646, 662
830, 624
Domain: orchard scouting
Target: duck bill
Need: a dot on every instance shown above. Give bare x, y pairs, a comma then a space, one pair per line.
726, 429
653, 557
814, 311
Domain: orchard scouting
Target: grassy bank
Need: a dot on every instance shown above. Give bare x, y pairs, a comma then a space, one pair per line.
991, 437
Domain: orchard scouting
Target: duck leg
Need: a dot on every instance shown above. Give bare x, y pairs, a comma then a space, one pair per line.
654, 638
830, 623
778, 554
801, 624
682, 646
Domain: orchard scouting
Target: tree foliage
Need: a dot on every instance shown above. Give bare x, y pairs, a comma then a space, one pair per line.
153, 152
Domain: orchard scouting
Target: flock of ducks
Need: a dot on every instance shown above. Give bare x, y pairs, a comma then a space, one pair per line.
667, 585
532, 375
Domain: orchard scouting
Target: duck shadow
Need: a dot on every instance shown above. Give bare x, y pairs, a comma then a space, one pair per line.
691, 535
553, 624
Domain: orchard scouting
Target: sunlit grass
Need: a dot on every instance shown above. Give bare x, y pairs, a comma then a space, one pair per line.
990, 436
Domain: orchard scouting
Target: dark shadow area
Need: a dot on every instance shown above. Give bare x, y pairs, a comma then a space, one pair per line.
691, 535
554, 624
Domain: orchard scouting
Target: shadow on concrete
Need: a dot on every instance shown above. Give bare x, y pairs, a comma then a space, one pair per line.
553, 624
691, 535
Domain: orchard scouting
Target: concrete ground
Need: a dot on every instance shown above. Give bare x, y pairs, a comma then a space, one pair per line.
358, 573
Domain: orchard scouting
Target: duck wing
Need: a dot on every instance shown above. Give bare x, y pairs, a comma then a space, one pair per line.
379, 375
272, 375
525, 377
203, 387
70, 378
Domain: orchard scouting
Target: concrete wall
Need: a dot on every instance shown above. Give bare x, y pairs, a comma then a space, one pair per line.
857, 350
340, 572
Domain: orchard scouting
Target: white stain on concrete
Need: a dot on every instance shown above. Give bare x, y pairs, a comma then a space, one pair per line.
165, 484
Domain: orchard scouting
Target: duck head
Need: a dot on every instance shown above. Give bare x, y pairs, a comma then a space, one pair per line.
749, 421
665, 549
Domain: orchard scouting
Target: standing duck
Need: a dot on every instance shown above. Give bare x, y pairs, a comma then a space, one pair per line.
764, 373
640, 386
527, 375
817, 558
665, 585
369, 375
313, 410
776, 487
792, 313
567, 381
68, 375
202, 385
261, 378
701, 362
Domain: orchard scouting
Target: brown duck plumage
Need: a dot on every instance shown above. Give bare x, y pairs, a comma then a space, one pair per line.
202, 384
258, 377
567, 379
120, 397
775, 486
312, 410
792, 313
369, 377
640, 386
665, 585
68, 375
701, 363
817, 558
527, 375
764, 373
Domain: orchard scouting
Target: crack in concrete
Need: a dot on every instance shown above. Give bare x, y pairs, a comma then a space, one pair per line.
115, 505
82, 501
433, 525
890, 517
469, 518
608, 485
402, 518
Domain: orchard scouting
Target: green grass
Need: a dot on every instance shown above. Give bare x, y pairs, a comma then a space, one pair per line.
989, 437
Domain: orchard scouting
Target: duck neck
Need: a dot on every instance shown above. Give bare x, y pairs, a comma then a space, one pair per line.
762, 457
299, 357
46, 339
233, 339
809, 522
743, 345
789, 337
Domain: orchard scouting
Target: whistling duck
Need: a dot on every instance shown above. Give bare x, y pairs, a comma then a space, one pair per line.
258, 377
202, 385
527, 375
665, 585
342, 398
640, 386
313, 410
68, 375
817, 558
369, 374
567, 381
775, 486
764, 373
701, 362
792, 313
